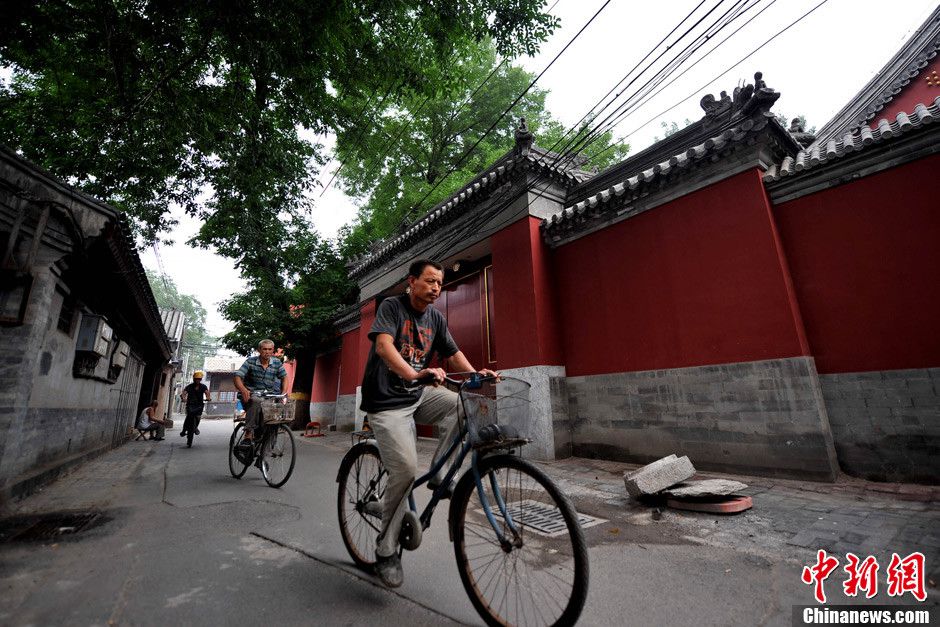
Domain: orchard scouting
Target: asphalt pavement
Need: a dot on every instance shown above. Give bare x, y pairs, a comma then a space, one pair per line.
179, 541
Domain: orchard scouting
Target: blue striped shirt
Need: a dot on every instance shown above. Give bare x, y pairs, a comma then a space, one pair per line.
256, 377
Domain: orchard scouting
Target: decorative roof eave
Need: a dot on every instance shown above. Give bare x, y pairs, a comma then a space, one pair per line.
535, 159
348, 319
820, 158
898, 72
121, 240
602, 207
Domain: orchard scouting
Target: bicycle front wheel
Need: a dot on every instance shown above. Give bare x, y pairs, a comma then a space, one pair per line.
236, 466
538, 573
362, 482
277, 456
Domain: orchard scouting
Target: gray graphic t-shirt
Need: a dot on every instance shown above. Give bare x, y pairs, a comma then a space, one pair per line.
417, 337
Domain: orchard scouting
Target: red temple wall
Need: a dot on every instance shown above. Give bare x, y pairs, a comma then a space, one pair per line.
350, 369
865, 258
526, 322
700, 280
325, 378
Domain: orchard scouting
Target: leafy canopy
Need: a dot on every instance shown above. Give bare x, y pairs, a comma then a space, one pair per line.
143, 103
410, 155
216, 106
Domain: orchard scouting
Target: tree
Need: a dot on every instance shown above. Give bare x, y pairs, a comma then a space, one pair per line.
145, 103
420, 149
212, 105
197, 343
670, 129
785, 122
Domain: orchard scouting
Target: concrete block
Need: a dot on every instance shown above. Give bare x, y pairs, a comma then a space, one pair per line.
659, 475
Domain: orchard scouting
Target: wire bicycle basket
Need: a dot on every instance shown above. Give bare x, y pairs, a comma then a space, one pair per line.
277, 411
273, 410
496, 412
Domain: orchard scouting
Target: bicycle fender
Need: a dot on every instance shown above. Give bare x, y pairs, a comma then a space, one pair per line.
455, 498
352, 453
462, 485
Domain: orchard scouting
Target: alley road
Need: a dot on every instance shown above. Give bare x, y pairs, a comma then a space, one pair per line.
185, 544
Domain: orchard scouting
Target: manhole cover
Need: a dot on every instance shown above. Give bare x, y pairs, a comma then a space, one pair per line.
543, 518
40, 527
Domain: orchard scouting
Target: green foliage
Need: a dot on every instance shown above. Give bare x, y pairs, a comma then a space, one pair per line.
396, 160
213, 106
785, 122
197, 343
295, 313
671, 129
141, 103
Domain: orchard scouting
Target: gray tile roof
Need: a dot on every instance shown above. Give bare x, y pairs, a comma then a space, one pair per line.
899, 71
854, 142
173, 323
542, 161
639, 184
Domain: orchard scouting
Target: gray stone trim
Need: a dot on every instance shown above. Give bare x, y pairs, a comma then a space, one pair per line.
345, 415
323, 412
764, 417
886, 423
547, 412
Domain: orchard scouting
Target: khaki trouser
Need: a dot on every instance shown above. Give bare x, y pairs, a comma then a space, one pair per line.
253, 414
395, 434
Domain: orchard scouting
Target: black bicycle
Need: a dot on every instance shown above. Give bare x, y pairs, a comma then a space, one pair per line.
190, 425
519, 546
272, 449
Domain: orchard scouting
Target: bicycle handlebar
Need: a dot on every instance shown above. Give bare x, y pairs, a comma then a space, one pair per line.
449, 378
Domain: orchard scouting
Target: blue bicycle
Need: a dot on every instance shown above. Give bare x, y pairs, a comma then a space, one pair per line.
519, 547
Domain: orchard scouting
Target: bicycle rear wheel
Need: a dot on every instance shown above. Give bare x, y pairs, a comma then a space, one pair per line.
277, 456
539, 576
236, 466
362, 481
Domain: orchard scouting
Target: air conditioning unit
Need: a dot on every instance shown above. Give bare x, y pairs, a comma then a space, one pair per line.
94, 335
120, 355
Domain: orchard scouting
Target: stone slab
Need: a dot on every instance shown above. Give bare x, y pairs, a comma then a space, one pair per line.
707, 487
655, 477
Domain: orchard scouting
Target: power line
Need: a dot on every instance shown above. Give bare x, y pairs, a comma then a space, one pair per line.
670, 67
499, 206
385, 148
454, 167
715, 78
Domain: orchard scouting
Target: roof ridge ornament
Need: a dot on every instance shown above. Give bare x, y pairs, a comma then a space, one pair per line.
799, 134
524, 139
746, 101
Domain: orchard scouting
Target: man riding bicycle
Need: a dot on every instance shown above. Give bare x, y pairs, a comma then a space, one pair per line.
406, 333
261, 373
195, 395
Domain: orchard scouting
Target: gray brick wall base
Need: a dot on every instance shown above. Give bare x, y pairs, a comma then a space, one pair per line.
345, 416
764, 417
324, 413
886, 424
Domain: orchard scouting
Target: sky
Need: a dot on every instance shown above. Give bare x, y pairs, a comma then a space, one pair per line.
817, 66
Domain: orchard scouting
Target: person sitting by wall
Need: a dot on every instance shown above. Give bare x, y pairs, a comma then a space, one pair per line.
149, 422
